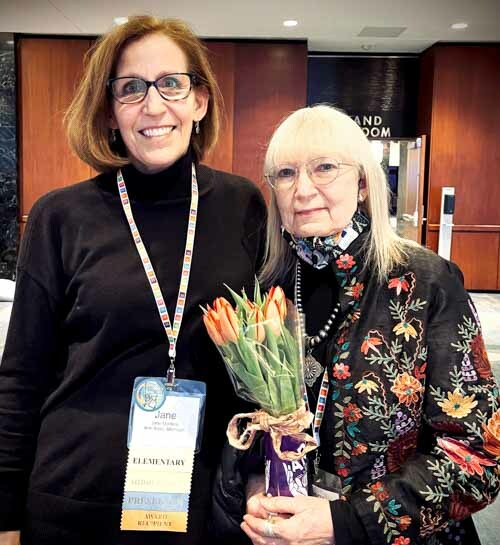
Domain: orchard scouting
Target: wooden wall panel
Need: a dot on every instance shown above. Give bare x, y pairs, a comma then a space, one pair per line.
479, 266
271, 81
465, 133
432, 240
222, 61
458, 110
48, 72
498, 270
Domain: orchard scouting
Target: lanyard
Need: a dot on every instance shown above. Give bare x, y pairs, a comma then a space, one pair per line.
171, 332
320, 406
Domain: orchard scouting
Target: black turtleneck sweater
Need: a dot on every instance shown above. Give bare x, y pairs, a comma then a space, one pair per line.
85, 324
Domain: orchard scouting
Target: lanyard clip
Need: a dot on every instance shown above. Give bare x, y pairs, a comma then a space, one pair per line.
171, 375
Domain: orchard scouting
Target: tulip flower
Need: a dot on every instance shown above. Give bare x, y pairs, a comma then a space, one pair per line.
259, 348
254, 322
275, 309
221, 322
229, 323
212, 323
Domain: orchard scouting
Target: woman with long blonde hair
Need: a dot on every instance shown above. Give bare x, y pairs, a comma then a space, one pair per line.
406, 411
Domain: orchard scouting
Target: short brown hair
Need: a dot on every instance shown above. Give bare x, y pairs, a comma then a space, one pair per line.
87, 119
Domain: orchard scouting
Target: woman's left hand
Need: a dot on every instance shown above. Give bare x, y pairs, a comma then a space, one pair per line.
309, 522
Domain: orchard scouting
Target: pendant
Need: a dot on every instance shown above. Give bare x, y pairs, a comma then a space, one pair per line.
312, 369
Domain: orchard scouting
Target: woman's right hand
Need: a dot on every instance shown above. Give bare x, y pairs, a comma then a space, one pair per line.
10, 538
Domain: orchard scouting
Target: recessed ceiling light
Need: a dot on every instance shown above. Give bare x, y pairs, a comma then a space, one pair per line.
290, 22
120, 20
367, 47
459, 26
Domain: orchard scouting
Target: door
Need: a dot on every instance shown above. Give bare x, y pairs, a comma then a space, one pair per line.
410, 203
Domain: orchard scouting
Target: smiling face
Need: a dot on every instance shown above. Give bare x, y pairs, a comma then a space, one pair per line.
156, 132
307, 209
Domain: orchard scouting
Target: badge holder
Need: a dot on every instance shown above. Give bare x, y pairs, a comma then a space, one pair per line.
326, 485
164, 433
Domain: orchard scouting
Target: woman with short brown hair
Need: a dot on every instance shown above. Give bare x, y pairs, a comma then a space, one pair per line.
87, 119
111, 274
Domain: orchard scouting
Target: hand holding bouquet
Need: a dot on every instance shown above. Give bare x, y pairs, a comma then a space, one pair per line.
261, 344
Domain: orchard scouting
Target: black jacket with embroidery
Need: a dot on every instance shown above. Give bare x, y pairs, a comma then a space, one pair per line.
412, 420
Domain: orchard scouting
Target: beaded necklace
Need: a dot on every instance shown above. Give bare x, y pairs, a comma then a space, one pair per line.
313, 368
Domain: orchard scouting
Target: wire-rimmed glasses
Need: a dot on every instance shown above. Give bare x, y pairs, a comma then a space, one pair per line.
321, 171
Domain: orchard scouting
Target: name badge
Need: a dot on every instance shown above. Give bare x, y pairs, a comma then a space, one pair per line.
164, 433
326, 485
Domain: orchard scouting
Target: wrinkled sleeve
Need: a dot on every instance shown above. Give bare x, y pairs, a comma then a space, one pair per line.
454, 470
26, 372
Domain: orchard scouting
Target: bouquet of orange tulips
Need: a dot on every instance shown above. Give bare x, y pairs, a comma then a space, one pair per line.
261, 344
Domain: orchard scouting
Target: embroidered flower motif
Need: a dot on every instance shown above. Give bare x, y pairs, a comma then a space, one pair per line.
379, 491
480, 357
431, 521
491, 434
403, 522
341, 371
355, 315
345, 261
342, 466
469, 460
458, 405
419, 371
360, 448
400, 450
406, 329
378, 469
399, 283
370, 343
365, 385
401, 541
352, 413
355, 291
407, 388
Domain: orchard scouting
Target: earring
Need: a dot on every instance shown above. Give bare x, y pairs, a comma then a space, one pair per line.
361, 185
197, 127
112, 136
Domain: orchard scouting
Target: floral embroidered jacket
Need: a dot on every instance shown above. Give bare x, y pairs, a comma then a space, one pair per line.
412, 406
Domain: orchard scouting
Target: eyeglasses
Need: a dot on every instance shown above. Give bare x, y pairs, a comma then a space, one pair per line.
321, 171
171, 87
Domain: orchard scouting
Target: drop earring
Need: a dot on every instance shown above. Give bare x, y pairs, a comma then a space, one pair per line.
197, 127
112, 136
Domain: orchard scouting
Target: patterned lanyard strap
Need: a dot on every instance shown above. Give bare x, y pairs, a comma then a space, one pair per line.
171, 332
325, 384
320, 407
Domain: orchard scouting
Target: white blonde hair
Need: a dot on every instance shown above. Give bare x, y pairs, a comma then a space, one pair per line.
317, 129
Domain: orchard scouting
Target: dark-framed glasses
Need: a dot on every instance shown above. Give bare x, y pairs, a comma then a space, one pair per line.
128, 90
321, 171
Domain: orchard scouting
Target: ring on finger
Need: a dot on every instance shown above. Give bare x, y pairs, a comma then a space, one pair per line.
269, 529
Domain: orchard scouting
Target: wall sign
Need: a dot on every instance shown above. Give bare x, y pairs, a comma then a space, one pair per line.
378, 92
